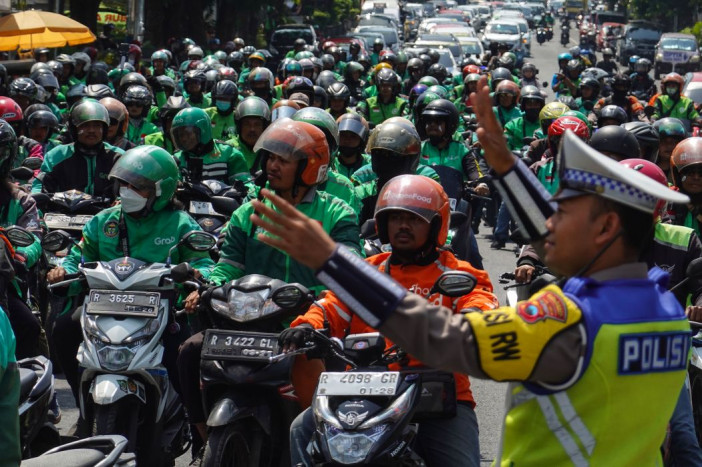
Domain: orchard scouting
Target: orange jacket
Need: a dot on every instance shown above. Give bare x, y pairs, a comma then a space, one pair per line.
417, 279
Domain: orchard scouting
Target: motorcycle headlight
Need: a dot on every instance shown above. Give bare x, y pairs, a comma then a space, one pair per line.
116, 358
144, 334
247, 306
352, 447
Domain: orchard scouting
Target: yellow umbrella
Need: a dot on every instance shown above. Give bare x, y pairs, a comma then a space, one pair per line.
35, 28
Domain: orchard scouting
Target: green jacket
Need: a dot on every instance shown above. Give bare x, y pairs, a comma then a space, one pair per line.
9, 395
242, 253
365, 174
519, 128
160, 140
341, 187
223, 126
149, 240
224, 163
137, 132
376, 112
683, 108
505, 116
451, 156
204, 103
21, 210
248, 153
339, 167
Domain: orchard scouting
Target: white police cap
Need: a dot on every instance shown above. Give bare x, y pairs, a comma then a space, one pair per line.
583, 170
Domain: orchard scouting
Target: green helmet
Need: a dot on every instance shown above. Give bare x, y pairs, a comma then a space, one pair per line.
304, 54
159, 55
428, 81
322, 120
252, 106
191, 119
220, 55
88, 110
151, 169
402, 57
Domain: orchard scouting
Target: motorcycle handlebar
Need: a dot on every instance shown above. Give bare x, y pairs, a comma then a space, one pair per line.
67, 280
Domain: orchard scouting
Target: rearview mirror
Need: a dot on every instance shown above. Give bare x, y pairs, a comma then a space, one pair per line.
182, 272
21, 173
290, 296
199, 241
56, 241
454, 284
18, 236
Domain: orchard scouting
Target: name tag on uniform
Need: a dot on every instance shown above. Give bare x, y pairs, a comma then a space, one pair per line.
653, 352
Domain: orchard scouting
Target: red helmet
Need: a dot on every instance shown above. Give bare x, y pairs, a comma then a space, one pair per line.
652, 171
416, 194
559, 127
468, 69
673, 78
10, 111
509, 87
686, 153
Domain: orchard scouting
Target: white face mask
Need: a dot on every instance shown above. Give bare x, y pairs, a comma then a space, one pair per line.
131, 200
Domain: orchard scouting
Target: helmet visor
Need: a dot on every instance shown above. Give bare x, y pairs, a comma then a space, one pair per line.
290, 140
185, 137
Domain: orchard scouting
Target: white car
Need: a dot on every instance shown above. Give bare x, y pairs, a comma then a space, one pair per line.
457, 31
426, 25
472, 47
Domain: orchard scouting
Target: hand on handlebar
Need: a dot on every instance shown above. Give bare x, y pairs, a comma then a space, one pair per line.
694, 313
482, 189
190, 305
55, 275
524, 274
293, 338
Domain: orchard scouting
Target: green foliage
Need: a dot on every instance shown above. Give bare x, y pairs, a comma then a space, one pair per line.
341, 10
696, 30
662, 12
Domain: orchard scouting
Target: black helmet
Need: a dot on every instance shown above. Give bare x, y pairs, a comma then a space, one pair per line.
97, 75
339, 91
35, 108
299, 42
48, 81
612, 112
499, 74
138, 95
591, 83
529, 66
23, 87
225, 89
227, 72
569, 101
574, 65
422, 101
56, 67
621, 80
75, 93
173, 105
300, 84
8, 148
167, 84
328, 61
616, 140
98, 91
607, 52
43, 118
532, 93
378, 41
444, 109
387, 76
354, 123
438, 71
433, 55
320, 94
415, 64
130, 79
647, 136
235, 59
326, 78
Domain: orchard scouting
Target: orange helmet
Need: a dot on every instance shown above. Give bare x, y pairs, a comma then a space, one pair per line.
673, 78
687, 152
117, 111
419, 195
509, 87
293, 140
283, 108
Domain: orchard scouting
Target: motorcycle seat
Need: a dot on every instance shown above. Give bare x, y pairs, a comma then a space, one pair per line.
73, 457
28, 379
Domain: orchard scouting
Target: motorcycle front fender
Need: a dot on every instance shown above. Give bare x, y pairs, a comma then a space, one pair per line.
107, 389
226, 411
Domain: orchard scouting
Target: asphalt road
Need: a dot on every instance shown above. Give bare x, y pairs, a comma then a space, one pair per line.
489, 395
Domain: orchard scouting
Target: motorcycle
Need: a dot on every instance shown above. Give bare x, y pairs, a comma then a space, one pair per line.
103, 451
540, 36
549, 33
250, 400
124, 386
37, 434
369, 414
565, 35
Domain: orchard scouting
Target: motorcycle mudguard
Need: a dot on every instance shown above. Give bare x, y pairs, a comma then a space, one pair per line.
226, 411
107, 389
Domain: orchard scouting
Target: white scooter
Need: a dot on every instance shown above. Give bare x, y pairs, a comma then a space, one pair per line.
124, 387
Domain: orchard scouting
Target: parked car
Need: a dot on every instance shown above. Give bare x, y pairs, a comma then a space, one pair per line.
676, 52
639, 38
283, 39
693, 87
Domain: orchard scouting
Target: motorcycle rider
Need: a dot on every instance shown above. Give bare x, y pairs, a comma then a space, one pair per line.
621, 87
549, 113
159, 65
84, 164
416, 231
11, 112
601, 290
138, 99
202, 156
673, 104
42, 127
167, 113
589, 95
671, 131
685, 168
260, 81
567, 82
387, 103
353, 136
339, 98
528, 125
642, 85
10, 384
194, 84
528, 75
507, 95
119, 122
294, 156
607, 63
252, 117
225, 97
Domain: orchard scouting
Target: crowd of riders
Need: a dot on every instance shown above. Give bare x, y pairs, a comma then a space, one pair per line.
329, 130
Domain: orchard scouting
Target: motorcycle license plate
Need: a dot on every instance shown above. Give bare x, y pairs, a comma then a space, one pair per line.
61, 221
239, 345
202, 207
358, 383
119, 303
